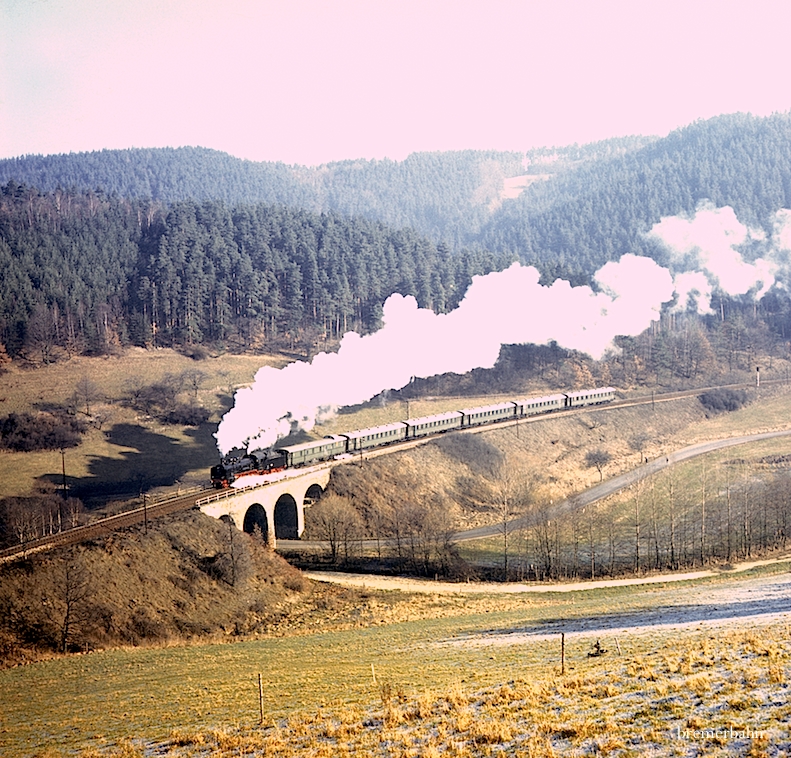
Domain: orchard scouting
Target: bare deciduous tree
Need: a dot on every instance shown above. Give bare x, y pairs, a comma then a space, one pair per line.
597, 459
335, 521
40, 334
86, 393
65, 599
194, 378
510, 497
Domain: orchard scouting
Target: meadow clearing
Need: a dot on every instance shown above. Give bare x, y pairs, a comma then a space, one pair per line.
485, 680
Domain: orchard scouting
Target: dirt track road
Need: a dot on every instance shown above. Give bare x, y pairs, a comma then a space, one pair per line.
617, 483
413, 584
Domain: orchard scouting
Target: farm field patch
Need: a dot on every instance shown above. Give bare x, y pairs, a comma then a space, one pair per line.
388, 683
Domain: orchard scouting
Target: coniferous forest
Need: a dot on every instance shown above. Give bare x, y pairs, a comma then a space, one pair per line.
190, 246
87, 273
195, 250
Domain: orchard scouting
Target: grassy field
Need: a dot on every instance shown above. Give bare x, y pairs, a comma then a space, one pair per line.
387, 687
416, 687
125, 446
142, 451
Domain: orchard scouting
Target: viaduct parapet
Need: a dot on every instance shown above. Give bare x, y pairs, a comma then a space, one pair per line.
277, 508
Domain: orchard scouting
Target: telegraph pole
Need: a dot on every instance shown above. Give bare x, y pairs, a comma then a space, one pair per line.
63, 470
63, 498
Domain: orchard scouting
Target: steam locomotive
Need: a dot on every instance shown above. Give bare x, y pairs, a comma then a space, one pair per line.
239, 463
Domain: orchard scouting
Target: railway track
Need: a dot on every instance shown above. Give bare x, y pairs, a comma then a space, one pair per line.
103, 526
106, 525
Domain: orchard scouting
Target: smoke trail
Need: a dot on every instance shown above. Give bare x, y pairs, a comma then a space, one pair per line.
507, 307
708, 252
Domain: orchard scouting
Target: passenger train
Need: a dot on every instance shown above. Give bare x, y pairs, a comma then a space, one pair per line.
233, 467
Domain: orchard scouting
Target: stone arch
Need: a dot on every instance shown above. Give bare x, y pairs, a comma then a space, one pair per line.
256, 517
228, 519
313, 493
286, 518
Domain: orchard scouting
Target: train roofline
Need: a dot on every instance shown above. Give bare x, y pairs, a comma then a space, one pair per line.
373, 430
437, 417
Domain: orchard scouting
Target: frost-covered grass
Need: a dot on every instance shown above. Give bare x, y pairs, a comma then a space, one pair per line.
465, 674
680, 693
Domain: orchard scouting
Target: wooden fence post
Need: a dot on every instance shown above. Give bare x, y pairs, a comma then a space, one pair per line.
261, 699
562, 653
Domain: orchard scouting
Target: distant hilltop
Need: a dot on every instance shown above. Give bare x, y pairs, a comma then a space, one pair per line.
567, 210
445, 195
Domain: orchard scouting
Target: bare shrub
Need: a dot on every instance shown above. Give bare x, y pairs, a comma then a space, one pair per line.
721, 400
25, 432
186, 414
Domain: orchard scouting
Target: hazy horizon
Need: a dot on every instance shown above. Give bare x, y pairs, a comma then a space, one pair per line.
308, 83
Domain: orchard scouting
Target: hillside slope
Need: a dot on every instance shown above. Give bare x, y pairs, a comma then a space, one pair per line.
602, 209
187, 577
445, 195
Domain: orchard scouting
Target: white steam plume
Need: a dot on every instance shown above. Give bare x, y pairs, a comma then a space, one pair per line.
507, 307
705, 253
781, 232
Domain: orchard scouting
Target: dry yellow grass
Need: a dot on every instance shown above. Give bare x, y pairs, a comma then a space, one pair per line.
726, 704
719, 692
26, 389
551, 451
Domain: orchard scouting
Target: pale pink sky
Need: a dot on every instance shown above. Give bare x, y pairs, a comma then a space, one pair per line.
310, 81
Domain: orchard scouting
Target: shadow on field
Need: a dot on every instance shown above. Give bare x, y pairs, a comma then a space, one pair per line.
773, 598
155, 460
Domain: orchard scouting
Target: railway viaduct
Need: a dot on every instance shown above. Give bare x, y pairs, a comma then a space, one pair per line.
277, 507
